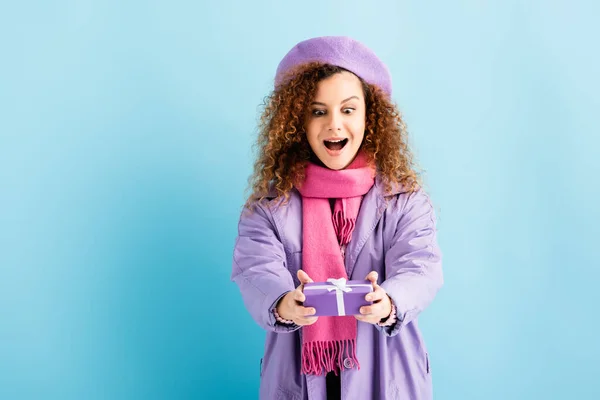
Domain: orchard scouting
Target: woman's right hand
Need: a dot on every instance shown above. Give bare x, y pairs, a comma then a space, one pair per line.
290, 306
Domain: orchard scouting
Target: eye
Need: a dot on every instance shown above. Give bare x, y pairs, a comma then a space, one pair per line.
348, 110
318, 113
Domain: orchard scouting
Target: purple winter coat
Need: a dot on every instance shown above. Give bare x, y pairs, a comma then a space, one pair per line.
398, 240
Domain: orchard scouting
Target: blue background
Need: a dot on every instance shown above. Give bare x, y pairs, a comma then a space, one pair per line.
125, 147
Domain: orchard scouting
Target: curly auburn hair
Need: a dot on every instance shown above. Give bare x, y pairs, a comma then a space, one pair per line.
284, 151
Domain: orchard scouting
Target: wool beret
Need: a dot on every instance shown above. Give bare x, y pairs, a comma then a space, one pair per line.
341, 51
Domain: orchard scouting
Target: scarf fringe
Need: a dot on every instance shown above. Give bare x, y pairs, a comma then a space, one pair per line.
320, 357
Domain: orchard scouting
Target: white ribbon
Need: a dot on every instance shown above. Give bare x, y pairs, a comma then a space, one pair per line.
340, 286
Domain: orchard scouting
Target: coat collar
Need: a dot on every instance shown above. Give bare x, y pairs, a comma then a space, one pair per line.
378, 187
372, 208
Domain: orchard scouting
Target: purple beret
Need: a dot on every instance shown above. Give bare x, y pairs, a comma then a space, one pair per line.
341, 51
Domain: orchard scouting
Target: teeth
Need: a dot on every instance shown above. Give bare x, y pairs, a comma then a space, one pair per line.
335, 141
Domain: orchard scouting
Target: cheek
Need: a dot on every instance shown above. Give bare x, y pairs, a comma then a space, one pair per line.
312, 140
359, 130
357, 124
312, 133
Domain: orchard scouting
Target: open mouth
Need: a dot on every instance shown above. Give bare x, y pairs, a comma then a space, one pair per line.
335, 144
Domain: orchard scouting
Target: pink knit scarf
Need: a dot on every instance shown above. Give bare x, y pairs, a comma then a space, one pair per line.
331, 340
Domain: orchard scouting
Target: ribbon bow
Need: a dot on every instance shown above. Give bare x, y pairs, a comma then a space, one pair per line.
338, 285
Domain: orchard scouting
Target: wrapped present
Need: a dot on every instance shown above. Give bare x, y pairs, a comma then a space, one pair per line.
337, 297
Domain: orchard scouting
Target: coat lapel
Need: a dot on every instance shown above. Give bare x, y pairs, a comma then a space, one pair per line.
288, 221
371, 210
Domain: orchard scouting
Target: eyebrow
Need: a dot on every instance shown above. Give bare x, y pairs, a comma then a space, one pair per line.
323, 104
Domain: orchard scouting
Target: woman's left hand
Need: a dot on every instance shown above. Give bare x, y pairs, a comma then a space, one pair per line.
382, 304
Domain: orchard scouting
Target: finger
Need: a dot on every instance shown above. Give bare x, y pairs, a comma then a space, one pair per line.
305, 321
299, 295
366, 310
375, 296
304, 311
375, 310
367, 319
303, 277
372, 276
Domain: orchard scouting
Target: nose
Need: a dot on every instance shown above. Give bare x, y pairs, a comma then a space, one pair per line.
334, 122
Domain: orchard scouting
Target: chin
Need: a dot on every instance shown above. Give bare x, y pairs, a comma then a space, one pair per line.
336, 164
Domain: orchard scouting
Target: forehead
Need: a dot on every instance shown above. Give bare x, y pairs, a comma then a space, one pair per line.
342, 85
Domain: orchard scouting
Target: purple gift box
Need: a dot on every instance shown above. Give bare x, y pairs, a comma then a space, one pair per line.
337, 297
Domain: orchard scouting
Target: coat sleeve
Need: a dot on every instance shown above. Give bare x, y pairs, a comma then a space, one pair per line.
413, 263
259, 268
